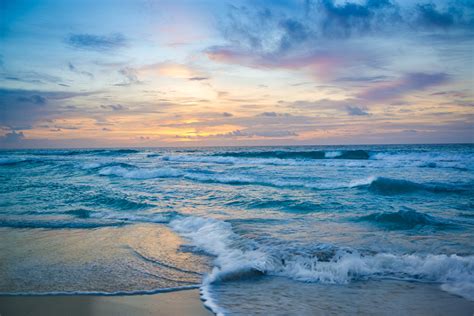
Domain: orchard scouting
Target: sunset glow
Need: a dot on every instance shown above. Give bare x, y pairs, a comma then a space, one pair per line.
241, 73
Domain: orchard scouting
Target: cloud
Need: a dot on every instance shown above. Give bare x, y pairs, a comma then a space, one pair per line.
198, 78
323, 34
100, 43
362, 78
273, 114
408, 83
31, 77
356, 111
322, 60
21, 108
429, 16
249, 133
114, 107
74, 69
130, 77
35, 99
11, 138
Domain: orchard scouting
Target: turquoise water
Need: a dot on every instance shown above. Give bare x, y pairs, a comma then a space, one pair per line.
242, 222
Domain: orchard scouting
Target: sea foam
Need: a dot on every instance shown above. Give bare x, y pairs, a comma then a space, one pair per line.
237, 257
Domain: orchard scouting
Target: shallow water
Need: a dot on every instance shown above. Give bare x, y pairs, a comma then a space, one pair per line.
328, 219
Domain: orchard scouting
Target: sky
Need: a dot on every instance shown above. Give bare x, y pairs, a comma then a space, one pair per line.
220, 73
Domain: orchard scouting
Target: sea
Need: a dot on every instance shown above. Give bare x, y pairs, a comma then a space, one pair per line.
297, 230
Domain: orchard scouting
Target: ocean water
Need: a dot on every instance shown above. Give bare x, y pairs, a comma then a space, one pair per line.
260, 230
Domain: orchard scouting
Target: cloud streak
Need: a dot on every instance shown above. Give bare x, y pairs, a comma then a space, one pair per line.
100, 43
408, 83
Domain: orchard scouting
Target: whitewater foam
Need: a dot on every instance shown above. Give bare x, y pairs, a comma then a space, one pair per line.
140, 173
236, 257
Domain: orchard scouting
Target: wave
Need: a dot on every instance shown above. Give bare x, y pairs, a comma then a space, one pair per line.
116, 152
318, 154
460, 161
236, 257
16, 161
80, 213
379, 185
117, 202
230, 160
288, 205
155, 218
78, 152
11, 161
404, 219
85, 219
99, 164
140, 173
211, 177
376, 158
57, 224
389, 186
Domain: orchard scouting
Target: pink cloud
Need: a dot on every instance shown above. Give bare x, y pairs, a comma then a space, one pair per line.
408, 83
319, 62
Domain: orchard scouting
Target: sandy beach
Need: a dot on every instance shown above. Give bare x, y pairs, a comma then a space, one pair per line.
172, 303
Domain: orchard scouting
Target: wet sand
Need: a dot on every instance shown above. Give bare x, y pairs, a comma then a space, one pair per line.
172, 303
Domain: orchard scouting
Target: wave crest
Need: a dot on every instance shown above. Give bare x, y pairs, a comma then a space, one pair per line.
403, 219
316, 154
239, 257
389, 186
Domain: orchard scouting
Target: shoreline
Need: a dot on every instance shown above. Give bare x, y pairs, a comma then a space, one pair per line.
183, 302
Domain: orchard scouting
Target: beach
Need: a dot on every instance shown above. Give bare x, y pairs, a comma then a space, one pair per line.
173, 303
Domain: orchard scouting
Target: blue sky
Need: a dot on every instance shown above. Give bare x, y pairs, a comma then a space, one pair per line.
192, 73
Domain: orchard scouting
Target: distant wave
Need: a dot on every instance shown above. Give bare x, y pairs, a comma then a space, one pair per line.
237, 258
389, 186
209, 177
343, 154
403, 219
359, 158
115, 152
100, 152
12, 161
230, 160
379, 185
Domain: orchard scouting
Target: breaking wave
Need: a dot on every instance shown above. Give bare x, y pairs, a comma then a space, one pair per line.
379, 185
140, 173
236, 257
318, 154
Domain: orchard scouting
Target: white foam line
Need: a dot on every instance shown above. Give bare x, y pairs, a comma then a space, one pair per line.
98, 293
